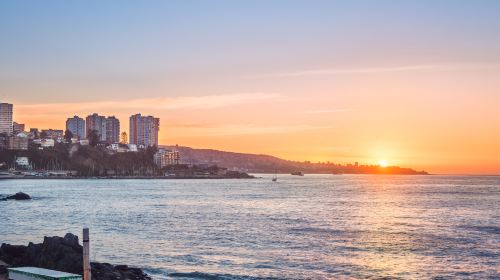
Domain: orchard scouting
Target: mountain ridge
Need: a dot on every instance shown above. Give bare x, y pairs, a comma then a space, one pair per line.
262, 163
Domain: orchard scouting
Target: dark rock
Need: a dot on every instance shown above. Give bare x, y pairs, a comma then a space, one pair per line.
106, 271
3, 272
65, 254
13, 254
19, 196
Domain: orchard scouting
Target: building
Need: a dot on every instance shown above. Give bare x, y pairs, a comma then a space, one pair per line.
35, 273
164, 158
77, 127
144, 130
132, 147
52, 133
17, 127
34, 133
119, 148
47, 143
112, 130
96, 123
22, 162
6, 111
4, 141
18, 142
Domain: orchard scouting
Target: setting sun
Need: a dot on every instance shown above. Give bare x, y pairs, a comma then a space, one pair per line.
383, 163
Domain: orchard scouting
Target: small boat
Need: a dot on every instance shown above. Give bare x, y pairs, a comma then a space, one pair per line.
297, 173
275, 177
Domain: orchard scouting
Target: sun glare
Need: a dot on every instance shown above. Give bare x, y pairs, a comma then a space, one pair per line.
382, 163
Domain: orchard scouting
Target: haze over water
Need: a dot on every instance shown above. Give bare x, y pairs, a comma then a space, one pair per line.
312, 227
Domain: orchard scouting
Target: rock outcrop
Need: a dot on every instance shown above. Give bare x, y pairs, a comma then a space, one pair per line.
64, 254
106, 271
3, 271
18, 196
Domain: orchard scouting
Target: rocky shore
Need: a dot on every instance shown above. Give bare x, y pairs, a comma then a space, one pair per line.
62, 254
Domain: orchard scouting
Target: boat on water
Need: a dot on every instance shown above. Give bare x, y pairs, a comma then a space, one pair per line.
275, 176
298, 173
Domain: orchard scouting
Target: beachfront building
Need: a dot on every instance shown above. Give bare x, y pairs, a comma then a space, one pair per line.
96, 123
112, 130
164, 158
77, 127
6, 111
144, 130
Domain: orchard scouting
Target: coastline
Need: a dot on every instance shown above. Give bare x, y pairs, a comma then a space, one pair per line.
125, 177
200, 177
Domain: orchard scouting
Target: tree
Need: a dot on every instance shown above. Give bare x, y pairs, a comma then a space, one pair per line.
123, 138
68, 135
43, 135
93, 137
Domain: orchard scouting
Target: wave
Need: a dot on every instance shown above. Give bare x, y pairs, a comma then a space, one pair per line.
214, 276
485, 229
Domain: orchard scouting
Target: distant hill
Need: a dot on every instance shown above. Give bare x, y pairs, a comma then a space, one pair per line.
255, 163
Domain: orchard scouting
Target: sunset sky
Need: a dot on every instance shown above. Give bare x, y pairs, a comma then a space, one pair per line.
416, 83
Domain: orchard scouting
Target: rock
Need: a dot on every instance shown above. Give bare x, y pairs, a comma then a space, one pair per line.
19, 196
64, 254
12, 254
3, 271
106, 271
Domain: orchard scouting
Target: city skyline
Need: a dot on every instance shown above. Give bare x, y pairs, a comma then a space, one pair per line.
143, 129
413, 84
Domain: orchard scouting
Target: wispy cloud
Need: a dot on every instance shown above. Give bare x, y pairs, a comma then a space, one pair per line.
166, 103
251, 129
327, 111
377, 70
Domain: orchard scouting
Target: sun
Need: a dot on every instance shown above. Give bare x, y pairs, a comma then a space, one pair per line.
383, 163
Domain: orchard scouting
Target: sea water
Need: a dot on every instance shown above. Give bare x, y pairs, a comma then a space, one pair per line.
311, 227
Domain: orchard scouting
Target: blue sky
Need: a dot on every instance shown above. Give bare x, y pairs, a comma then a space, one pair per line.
108, 42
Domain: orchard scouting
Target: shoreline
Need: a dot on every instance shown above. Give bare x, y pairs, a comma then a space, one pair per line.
246, 176
124, 178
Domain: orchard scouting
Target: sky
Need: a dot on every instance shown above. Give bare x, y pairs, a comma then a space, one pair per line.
415, 83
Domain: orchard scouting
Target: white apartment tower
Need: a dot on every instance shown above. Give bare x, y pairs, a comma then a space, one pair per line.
144, 130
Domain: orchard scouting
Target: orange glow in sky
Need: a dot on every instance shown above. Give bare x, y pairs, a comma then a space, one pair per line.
416, 85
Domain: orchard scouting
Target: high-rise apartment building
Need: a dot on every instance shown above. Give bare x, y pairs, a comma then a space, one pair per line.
6, 111
112, 130
144, 130
77, 127
96, 123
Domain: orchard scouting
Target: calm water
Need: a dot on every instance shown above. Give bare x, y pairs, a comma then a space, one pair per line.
312, 227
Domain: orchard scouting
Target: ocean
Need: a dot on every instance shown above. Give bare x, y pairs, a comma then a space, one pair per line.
311, 227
